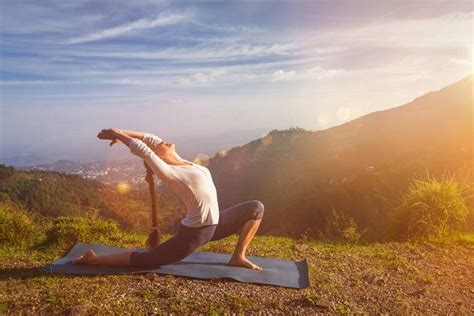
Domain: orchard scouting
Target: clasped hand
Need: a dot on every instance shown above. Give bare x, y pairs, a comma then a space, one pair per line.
109, 134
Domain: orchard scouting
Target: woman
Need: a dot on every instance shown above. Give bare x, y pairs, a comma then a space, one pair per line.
203, 221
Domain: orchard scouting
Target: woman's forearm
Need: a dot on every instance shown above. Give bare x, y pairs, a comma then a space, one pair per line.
122, 136
134, 134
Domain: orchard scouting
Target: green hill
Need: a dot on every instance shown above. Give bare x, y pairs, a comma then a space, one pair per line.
53, 194
361, 168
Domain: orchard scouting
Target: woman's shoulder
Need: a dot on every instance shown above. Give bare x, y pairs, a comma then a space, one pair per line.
201, 167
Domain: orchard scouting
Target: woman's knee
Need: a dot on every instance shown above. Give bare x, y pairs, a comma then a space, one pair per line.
257, 209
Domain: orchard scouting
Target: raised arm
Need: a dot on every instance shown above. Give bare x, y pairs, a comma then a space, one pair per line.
133, 134
149, 139
139, 148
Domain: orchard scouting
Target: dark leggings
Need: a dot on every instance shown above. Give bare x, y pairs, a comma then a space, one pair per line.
188, 239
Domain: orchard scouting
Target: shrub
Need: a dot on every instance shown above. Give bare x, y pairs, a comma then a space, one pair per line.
6, 171
431, 207
66, 231
341, 227
17, 226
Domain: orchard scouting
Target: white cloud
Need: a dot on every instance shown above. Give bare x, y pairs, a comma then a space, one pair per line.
281, 75
161, 20
202, 78
313, 73
321, 73
208, 52
343, 113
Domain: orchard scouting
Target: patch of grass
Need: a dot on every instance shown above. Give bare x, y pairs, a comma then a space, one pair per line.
432, 207
3, 308
66, 231
149, 294
341, 309
17, 226
166, 292
311, 296
214, 311
20, 254
388, 258
279, 247
238, 302
455, 238
340, 227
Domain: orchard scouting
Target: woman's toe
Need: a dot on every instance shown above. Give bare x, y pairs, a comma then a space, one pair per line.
243, 262
85, 258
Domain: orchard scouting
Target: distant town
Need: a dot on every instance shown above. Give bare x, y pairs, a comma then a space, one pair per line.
112, 173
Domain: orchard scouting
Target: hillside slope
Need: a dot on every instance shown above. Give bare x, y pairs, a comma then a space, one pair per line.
360, 168
53, 194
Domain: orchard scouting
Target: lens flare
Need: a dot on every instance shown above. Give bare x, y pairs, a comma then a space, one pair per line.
222, 153
202, 159
123, 187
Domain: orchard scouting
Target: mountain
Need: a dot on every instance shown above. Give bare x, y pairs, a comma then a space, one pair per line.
53, 194
23, 160
360, 167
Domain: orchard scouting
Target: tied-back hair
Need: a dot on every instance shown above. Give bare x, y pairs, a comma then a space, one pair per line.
151, 186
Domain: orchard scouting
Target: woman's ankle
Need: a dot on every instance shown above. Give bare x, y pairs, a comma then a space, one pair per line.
238, 255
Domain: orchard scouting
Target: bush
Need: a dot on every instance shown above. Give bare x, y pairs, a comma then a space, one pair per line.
66, 231
432, 207
6, 171
341, 227
17, 226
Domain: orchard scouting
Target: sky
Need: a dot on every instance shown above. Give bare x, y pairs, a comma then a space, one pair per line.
213, 75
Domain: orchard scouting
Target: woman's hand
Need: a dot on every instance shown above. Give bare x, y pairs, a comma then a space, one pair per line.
109, 134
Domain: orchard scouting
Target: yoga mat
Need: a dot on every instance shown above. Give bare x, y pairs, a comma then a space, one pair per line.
202, 265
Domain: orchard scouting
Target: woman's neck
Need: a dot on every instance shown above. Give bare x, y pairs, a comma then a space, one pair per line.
176, 161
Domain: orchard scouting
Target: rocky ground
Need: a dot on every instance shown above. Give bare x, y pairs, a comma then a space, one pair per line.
397, 278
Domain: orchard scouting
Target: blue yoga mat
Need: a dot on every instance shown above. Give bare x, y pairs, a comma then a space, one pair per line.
202, 265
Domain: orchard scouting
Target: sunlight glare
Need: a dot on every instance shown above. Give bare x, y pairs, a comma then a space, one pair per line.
267, 139
123, 187
222, 153
202, 159
472, 59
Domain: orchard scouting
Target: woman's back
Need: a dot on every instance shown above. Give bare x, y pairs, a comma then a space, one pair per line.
193, 183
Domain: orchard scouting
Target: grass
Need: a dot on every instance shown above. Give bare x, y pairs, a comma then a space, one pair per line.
433, 206
342, 280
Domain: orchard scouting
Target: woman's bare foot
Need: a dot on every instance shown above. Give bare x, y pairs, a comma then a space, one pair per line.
86, 258
241, 261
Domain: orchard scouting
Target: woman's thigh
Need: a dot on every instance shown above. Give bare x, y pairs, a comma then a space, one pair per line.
233, 218
178, 247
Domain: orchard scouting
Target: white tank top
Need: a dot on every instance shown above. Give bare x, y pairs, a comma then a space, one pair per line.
193, 183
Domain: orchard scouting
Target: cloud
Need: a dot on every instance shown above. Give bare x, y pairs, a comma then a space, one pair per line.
321, 73
281, 75
318, 73
343, 113
161, 20
202, 78
36, 82
202, 52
